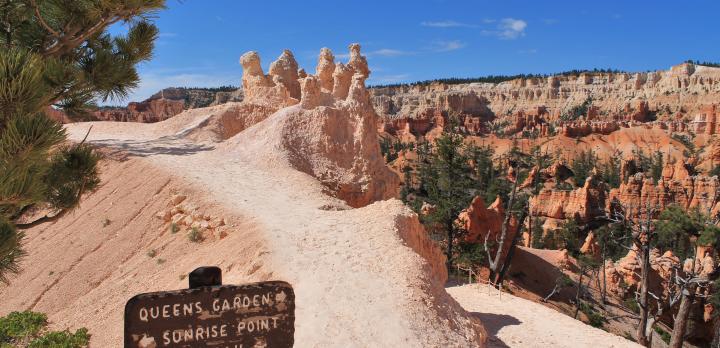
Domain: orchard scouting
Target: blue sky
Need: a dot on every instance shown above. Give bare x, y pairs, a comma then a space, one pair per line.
201, 40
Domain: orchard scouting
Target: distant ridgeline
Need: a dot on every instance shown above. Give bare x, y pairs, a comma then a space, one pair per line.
168, 103
496, 78
697, 62
199, 97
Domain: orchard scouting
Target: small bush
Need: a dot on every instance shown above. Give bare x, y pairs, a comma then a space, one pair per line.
663, 334
152, 253
18, 328
62, 339
174, 228
632, 304
17, 325
160, 261
194, 235
106, 222
595, 319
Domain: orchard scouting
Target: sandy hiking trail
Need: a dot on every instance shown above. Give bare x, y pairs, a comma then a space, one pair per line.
358, 282
515, 322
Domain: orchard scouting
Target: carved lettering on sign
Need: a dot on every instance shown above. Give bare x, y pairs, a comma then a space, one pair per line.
227, 316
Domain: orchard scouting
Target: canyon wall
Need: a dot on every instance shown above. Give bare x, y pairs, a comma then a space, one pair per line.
683, 89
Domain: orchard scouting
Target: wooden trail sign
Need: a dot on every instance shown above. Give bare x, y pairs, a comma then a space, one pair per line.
210, 315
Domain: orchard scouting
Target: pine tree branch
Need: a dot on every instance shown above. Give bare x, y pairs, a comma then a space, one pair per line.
42, 21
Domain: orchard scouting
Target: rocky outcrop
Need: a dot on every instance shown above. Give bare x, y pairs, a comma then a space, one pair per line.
706, 120
167, 103
584, 204
329, 134
149, 111
483, 223
284, 71
325, 69
266, 89
676, 186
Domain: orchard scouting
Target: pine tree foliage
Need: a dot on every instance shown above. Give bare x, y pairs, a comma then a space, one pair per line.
446, 184
59, 54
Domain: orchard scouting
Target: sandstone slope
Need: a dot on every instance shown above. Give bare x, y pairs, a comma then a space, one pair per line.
285, 189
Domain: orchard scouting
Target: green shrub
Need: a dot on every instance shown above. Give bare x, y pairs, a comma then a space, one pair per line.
174, 228
195, 235
632, 304
152, 253
595, 319
62, 339
663, 334
21, 324
18, 328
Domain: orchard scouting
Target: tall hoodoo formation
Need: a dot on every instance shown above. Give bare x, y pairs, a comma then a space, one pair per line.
358, 62
284, 71
332, 133
271, 89
325, 69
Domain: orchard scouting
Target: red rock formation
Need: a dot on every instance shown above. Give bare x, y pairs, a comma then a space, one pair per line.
675, 187
148, 111
705, 122
583, 204
529, 120
481, 223
591, 246
577, 129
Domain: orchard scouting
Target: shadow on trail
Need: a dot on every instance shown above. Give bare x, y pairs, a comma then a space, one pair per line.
162, 146
493, 324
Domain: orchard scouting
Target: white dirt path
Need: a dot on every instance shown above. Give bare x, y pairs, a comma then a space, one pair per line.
515, 322
357, 283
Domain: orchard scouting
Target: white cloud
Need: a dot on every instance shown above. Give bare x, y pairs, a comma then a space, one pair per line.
387, 79
388, 52
446, 46
446, 24
508, 29
512, 28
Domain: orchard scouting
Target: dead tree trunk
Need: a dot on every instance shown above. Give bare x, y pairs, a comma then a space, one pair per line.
678, 333
642, 335
494, 262
511, 251
603, 291
579, 291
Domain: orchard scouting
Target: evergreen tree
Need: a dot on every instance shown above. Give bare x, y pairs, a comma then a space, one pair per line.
611, 170
446, 181
58, 54
582, 166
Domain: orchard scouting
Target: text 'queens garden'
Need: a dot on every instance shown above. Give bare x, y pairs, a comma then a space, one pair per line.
223, 316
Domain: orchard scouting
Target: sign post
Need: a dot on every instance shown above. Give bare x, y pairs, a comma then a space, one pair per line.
209, 314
